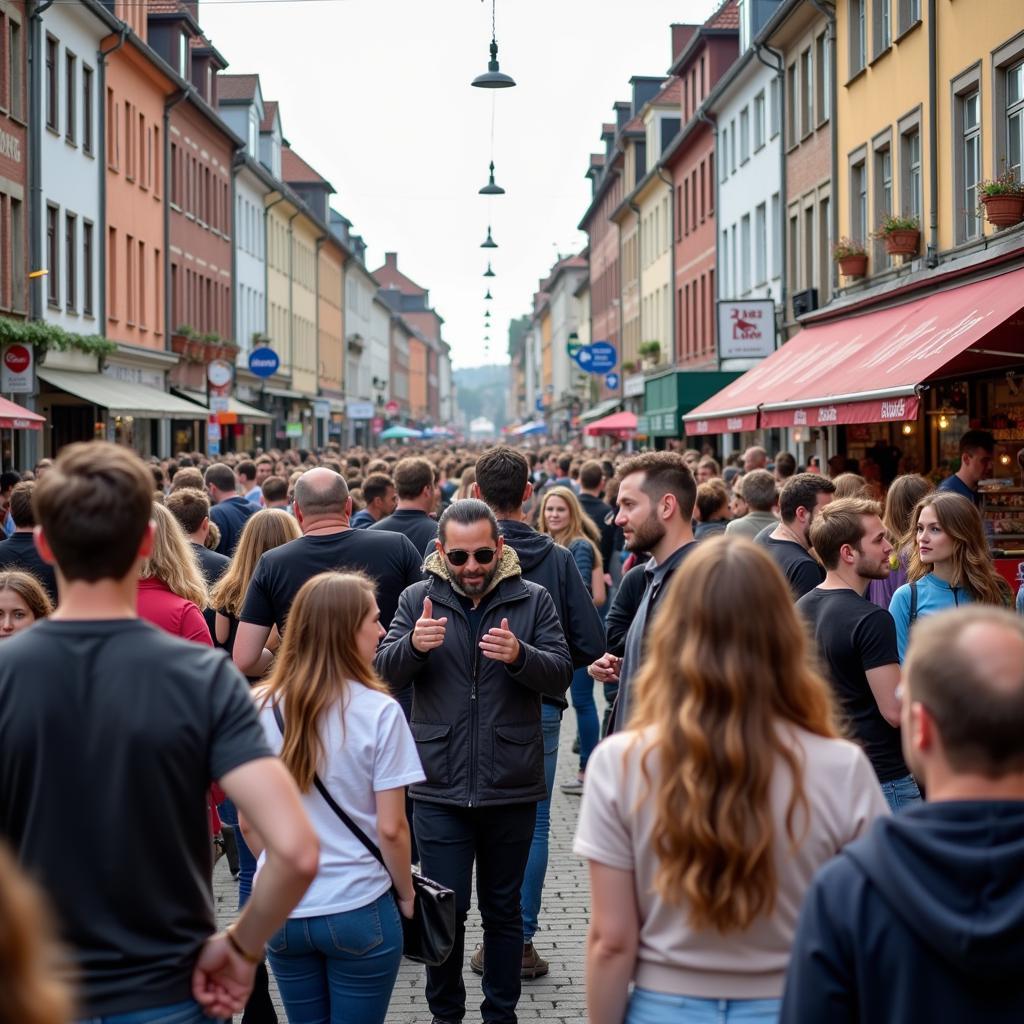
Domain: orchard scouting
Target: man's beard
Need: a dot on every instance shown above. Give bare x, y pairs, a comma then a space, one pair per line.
474, 589
647, 535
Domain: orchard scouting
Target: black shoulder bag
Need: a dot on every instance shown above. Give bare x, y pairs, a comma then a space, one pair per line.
428, 937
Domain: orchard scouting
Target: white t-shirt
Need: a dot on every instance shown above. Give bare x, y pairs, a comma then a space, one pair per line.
372, 751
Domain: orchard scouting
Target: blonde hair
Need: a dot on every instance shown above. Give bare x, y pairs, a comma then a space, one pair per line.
714, 688
318, 655
269, 528
172, 560
581, 526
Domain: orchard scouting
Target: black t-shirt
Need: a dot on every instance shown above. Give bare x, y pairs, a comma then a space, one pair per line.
802, 572
110, 735
213, 566
19, 552
231, 516
388, 557
420, 528
853, 635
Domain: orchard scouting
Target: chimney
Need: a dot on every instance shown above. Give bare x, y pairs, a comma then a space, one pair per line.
391, 260
681, 36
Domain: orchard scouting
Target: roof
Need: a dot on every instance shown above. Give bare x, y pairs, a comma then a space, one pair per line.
727, 16
269, 113
725, 21
233, 88
634, 125
296, 171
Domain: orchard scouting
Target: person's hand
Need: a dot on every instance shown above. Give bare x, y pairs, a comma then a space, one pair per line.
605, 669
221, 979
500, 644
405, 907
428, 632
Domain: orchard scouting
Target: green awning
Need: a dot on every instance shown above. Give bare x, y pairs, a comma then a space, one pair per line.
601, 409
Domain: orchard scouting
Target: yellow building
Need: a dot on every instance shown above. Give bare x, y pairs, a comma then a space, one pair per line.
304, 235
899, 155
279, 211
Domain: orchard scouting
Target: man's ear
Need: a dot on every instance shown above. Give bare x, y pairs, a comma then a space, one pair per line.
43, 546
146, 544
527, 492
476, 491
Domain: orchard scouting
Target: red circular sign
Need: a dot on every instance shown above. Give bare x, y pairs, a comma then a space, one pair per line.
17, 358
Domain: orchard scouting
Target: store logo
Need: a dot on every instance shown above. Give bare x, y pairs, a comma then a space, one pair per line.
828, 414
17, 358
734, 423
10, 147
894, 410
800, 418
701, 427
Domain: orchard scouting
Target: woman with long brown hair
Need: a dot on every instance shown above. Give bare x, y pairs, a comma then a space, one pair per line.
950, 563
705, 821
327, 713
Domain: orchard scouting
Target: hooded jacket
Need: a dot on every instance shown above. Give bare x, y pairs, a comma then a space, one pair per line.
921, 920
477, 721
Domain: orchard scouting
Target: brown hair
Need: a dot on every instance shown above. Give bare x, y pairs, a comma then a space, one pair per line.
29, 955
904, 493
376, 486
839, 523
187, 476
411, 476
664, 473
713, 690
851, 485
712, 497
502, 474
30, 590
318, 656
21, 504
591, 474
275, 488
801, 491
190, 506
94, 507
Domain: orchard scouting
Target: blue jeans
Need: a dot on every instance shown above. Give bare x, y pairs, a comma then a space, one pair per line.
188, 1012
647, 1007
582, 693
901, 793
339, 967
537, 865
246, 861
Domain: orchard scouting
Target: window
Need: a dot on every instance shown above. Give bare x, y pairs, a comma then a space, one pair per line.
910, 14
17, 254
52, 255
806, 93
52, 98
70, 257
881, 13
792, 101
112, 310
142, 285
808, 247
858, 36
87, 268
773, 108
253, 135
1014, 118
144, 155
883, 197
910, 186
15, 73
745, 254
711, 184
183, 55
724, 162
758, 121
760, 245
703, 193
823, 96
859, 200
111, 130
686, 208
129, 156
70, 96
969, 162
732, 146
87, 111
776, 229
725, 264
824, 252
794, 248
744, 135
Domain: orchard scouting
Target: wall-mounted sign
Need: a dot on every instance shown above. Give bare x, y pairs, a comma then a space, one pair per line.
611, 381
599, 358
359, 410
633, 386
17, 365
746, 330
264, 361
293, 430
220, 373
219, 403
321, 409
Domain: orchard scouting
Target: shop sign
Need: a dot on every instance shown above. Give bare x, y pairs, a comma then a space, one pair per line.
391, 408
219, 403
264, 361
359, 410
633, 387
293, 430
321, 409
10, 146
746, 330
885, 411
212, 430
17, 374
220, 373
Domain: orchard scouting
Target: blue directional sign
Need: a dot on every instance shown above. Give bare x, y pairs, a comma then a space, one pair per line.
264, 361
603, 357
539, 405
611, 381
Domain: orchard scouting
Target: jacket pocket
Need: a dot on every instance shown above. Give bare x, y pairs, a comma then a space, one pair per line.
433, 740
517, 756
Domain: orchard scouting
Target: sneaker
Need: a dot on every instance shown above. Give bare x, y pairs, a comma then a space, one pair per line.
534, 965
576, 744
476, 961
574, 788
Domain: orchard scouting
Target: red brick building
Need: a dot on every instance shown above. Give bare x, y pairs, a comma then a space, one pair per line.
14, 28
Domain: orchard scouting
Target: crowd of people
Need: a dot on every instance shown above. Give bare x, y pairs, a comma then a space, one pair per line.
799, 802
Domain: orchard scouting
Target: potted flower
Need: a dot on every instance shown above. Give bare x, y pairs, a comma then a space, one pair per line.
628, 366
650, 353
180, 338
851, 256
214, 348
902, 235
1002, 199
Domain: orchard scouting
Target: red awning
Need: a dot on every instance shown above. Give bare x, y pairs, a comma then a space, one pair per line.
867, 368
618, 424
16, 417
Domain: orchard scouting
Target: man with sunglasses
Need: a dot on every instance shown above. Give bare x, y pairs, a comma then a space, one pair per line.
480, 647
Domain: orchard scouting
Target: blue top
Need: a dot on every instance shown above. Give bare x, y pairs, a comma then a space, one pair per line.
933, 595
583, 555
957, 486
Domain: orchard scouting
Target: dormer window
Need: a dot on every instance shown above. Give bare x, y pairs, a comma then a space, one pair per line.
253, 134
183, 55
209, 83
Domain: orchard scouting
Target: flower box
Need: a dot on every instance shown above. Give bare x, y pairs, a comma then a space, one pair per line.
854, 265
903, 242
1004, 210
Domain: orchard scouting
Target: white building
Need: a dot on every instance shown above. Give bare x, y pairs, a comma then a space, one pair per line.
70, 221
570, 386
445, 385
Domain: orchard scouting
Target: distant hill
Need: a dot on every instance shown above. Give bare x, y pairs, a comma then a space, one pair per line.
483, 391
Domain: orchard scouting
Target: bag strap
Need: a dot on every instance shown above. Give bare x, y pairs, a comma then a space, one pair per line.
333, 804
913, 603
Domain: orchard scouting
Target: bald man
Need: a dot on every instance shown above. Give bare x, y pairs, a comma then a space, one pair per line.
754, 457
323, 508
923, 918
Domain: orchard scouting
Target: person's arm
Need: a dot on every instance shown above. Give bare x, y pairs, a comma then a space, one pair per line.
899, 609
250, 653
883, 682
624, 608
222, 627
397, 661
612, 941
583, 556
396, 845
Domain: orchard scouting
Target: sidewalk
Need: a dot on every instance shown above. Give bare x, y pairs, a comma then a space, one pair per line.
559, 998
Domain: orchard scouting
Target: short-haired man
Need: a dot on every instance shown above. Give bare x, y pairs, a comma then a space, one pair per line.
230, 510
657, 493
380, 497
275, 492
788, 542
418, 495
19, 550
922, 918
476, 719
755, 457
711, 509
246, 472
322, 507
976, 451
857, 640
114, 713
785, 466
759, 491
592, 481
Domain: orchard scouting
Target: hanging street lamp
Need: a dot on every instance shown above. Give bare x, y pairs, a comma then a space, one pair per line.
488, 272
488, 242
491, 189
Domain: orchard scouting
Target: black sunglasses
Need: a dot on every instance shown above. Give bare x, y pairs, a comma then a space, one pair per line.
484, 556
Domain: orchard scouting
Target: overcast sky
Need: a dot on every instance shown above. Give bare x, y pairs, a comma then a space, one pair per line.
375, 94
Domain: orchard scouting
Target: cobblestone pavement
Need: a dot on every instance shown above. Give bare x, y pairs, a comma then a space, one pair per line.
557, 998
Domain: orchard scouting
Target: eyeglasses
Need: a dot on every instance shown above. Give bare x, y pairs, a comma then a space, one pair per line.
484, 556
